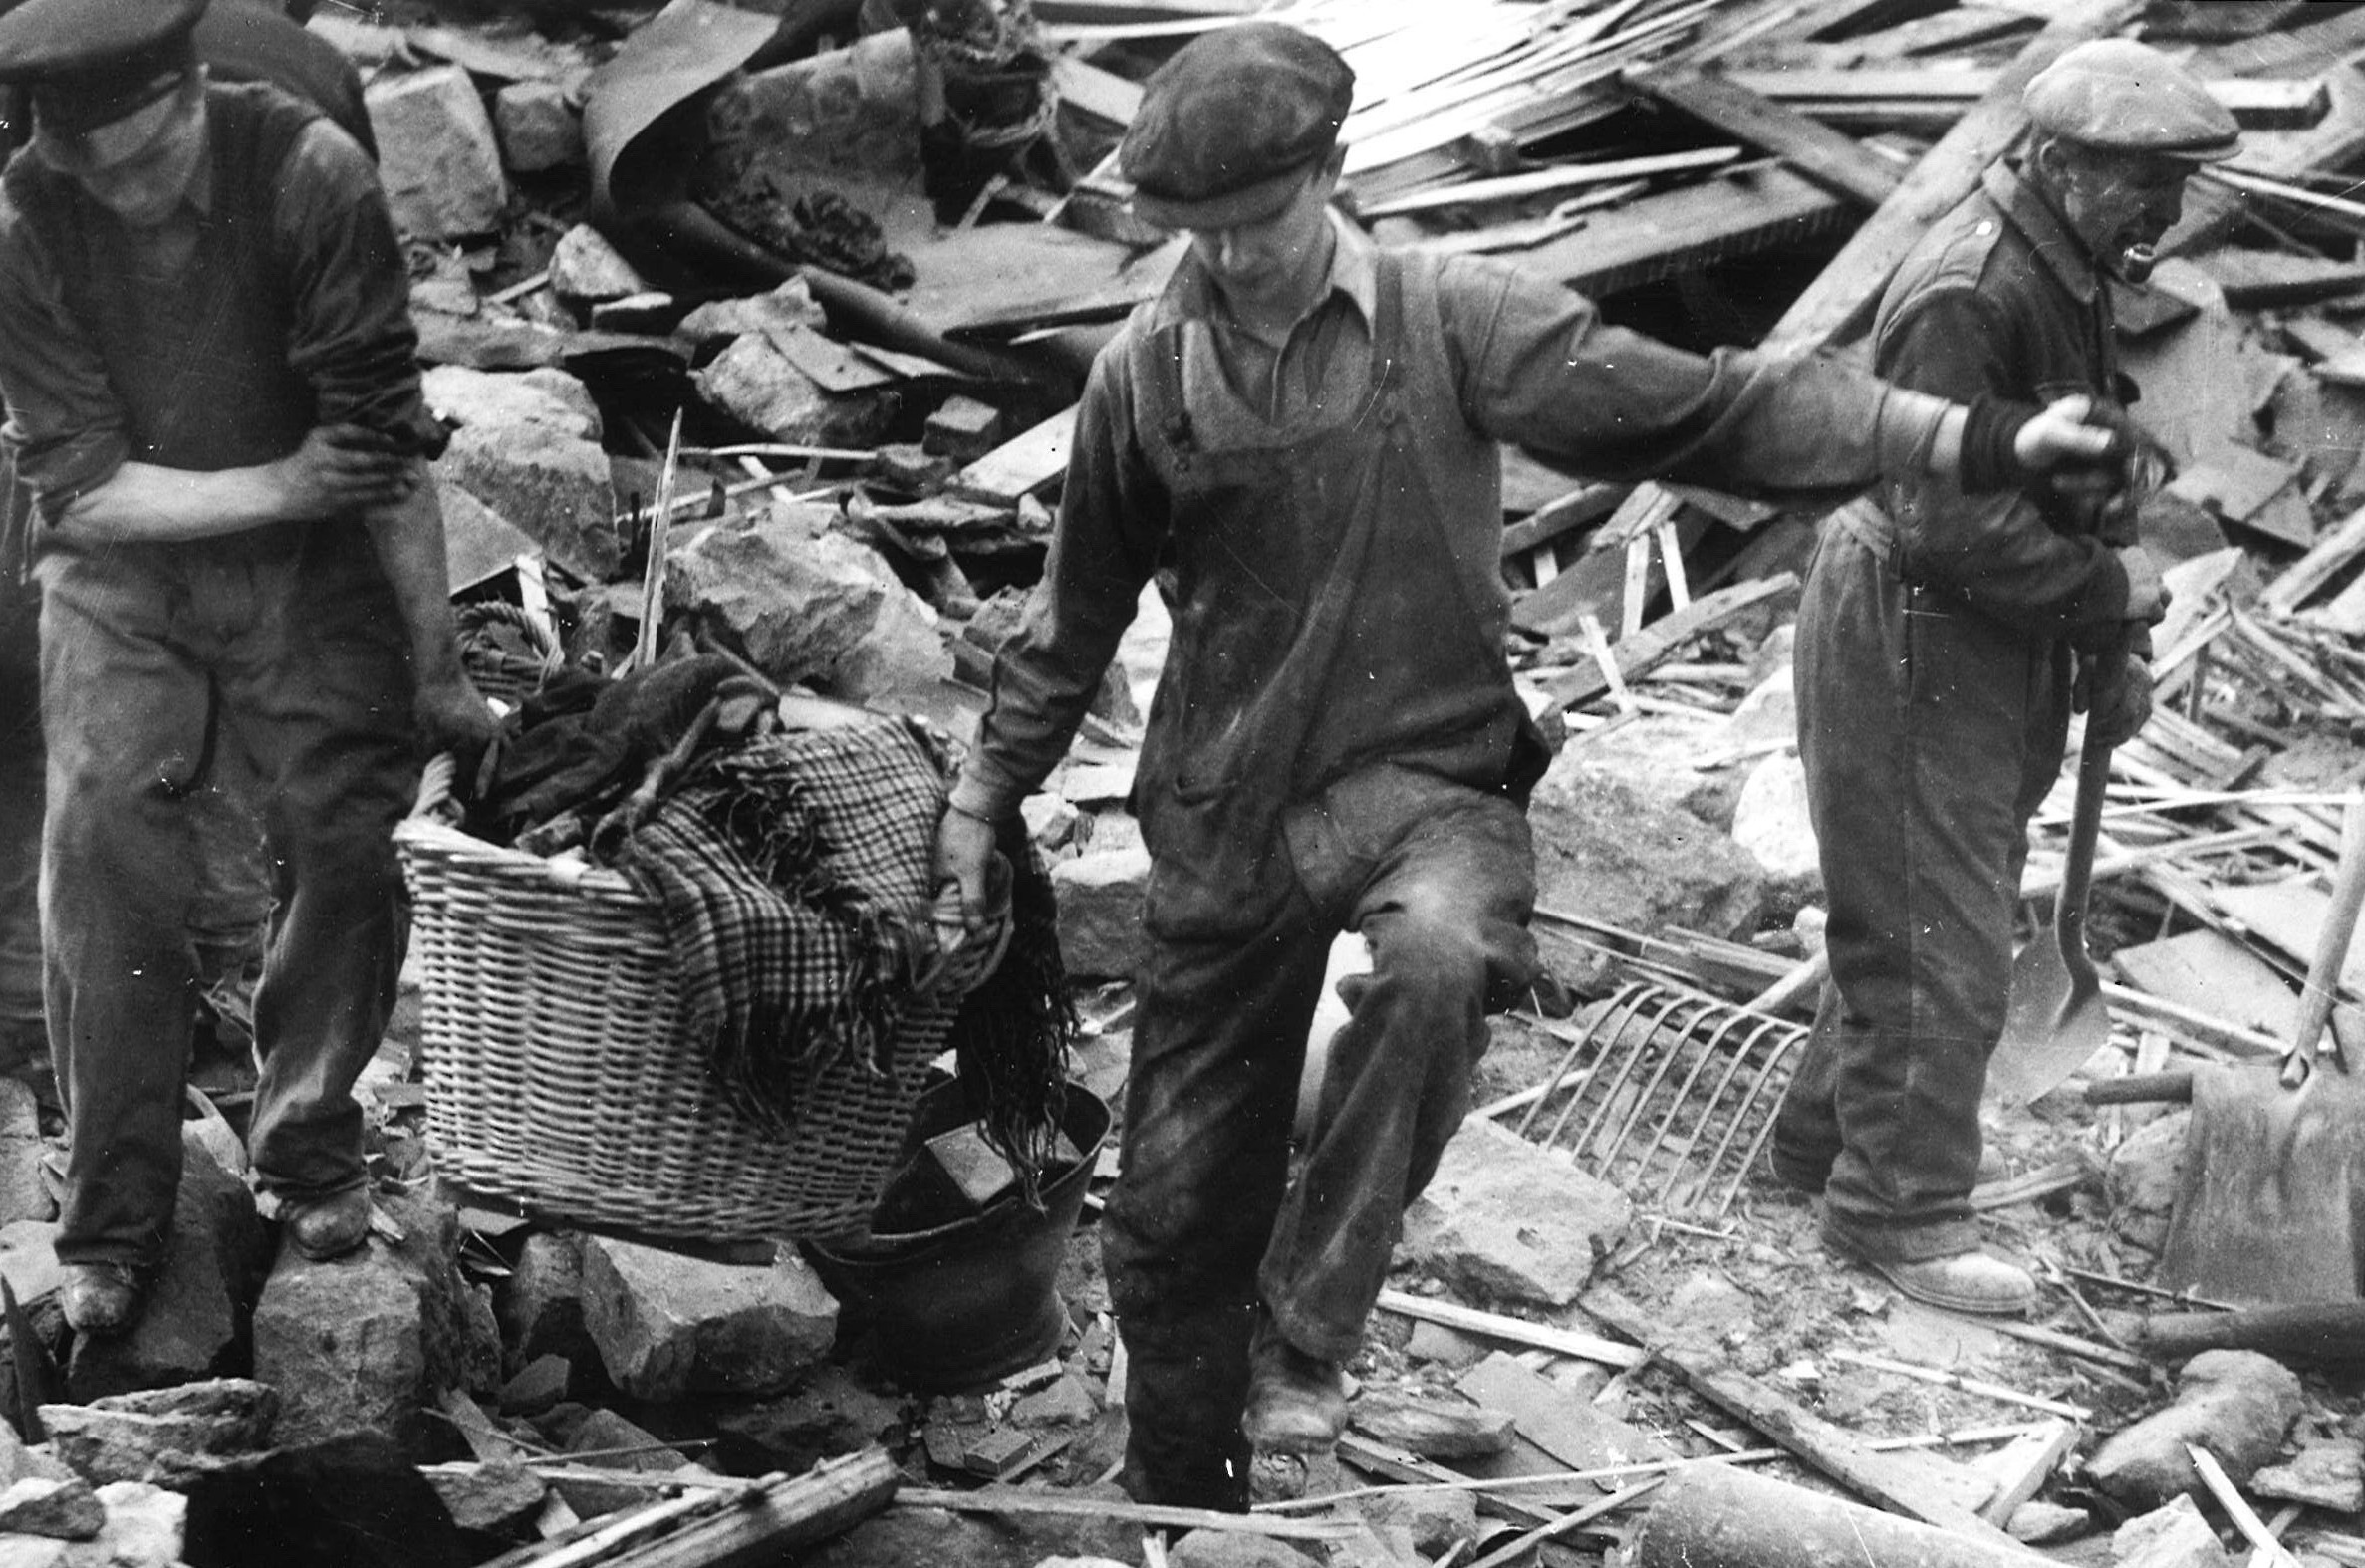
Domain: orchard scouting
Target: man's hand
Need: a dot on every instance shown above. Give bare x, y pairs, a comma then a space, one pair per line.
2121, 698
965, 857
343, 469
2147, 594
2064, 435
453, 716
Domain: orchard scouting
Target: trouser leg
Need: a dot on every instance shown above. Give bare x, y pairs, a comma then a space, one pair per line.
320, 698
1444, 905
126, 712
1218, 1043
1928, 734
23, 764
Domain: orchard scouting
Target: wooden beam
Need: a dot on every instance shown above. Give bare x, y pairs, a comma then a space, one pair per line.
2274, 104
1836, 163
1656, 237
1887, 1479
1659, 642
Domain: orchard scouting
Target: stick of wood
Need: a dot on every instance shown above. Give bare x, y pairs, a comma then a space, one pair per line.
1956, 1380
2245, 1520
1013, 1501
1517, 1550
652, 575
1515, 1331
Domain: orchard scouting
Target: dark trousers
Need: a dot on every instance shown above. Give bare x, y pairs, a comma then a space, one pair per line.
1929, 734
154, 661
1208, 1240
21, 791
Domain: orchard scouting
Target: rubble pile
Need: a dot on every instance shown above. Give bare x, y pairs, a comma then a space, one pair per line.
760, 328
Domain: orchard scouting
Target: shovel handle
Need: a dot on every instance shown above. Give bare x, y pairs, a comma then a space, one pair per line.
2086, 830
2332, 941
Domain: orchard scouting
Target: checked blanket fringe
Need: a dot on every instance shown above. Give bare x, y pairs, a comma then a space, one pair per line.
796, 876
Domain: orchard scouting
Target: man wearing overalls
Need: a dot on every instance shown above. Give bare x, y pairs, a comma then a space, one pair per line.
1936, 646
1301, 439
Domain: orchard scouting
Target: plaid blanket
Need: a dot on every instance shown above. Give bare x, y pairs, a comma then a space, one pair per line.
795, 874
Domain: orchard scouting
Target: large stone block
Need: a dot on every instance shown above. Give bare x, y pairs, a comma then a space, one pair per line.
1100, 910
368, 1342
437, 154
667, 1323
814, 607
1503, 1221
2236, 1404
549, 483
1605, 853
538, 126
757, 385
194, 1325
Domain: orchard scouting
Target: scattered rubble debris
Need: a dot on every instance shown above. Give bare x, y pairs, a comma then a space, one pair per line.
761, 327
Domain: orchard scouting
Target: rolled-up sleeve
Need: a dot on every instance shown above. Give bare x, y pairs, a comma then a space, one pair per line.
351, 337
1539, 367
1999, 552
1113, 518
65, 425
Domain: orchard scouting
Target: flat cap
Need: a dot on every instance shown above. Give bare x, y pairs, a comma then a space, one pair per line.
1229, 123
92, 62
2125, 97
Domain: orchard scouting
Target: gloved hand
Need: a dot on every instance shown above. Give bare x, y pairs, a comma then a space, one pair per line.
2109, 492
2114, 691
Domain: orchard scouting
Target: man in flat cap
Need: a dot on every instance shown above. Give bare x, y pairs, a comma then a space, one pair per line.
239, 41
1939, 642
208, 362
1300, 438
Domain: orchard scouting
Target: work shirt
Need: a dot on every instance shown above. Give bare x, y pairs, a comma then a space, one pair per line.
2000, 298
1418, 678
275, 299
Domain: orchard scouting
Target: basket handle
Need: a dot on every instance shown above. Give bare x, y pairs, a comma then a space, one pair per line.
433, 802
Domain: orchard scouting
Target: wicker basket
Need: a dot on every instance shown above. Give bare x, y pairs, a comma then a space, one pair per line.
558, 1077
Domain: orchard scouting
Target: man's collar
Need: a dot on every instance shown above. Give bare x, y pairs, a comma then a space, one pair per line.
1189, 294
2068, 256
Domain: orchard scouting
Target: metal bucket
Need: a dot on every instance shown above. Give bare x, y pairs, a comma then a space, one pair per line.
961, 1304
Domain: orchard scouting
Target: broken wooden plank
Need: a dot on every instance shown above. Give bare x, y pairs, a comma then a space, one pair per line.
2332, 553
2206, 968
1885, 1478
2022, 1468
1104, 94
2270, 103
1545, 181
1022, 466
754, 1523
1569, 1429
1836, 163
1016, 1502
1377, 1459
1659, 236
1509, 1330
1659, 642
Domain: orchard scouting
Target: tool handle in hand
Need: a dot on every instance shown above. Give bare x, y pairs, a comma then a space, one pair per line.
2332, 941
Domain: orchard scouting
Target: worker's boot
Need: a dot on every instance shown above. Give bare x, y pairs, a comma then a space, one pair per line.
1970, 1281
328, 1227
1297, 1404
101, 1300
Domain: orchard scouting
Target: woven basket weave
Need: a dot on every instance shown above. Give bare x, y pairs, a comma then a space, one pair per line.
558, 1076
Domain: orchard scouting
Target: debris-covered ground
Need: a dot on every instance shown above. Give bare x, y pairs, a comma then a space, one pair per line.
794, 302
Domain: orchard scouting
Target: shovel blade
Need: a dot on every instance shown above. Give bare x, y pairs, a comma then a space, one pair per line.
2270, 1195
2055, 1022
